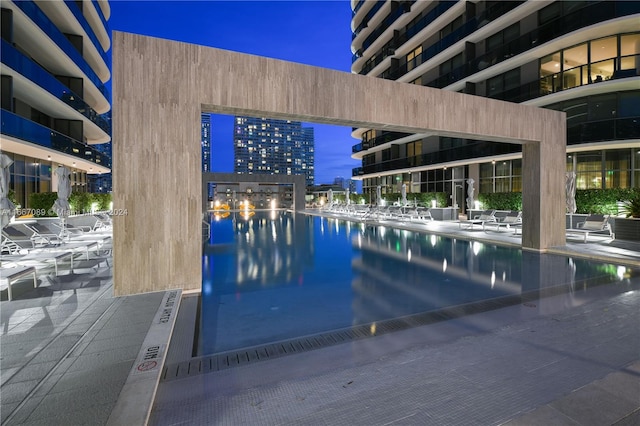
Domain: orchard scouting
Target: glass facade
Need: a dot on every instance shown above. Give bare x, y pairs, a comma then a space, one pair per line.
588, 52
30, 175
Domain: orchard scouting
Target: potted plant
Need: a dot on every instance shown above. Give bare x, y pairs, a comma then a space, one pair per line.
629, 228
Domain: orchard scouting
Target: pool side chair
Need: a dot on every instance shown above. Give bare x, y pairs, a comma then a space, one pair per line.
484, 217
593, 224
10, 275
44, 233
512, 219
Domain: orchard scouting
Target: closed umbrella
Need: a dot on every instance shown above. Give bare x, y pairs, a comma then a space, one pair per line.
347, 200
7, 208
404, 194
570, 187
330, 197
379, 195
470, 190
61, 205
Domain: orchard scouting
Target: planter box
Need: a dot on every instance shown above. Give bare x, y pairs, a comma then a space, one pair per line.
626, 228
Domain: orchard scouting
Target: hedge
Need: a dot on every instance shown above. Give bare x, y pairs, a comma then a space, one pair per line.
422, 198
596, 201
80, 202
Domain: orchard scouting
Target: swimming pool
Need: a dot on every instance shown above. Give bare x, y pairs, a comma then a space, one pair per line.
274, 276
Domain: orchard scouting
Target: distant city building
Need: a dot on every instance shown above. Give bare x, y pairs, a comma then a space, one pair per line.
352, 185
270, 146
54, 69
206, 142
340, 181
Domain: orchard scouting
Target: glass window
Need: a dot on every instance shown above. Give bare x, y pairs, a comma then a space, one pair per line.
575, 56
589, 170
486, 170
549, 13
494, 86
550, 64
618, 168
604, 48
18, 164
503, 184
576, 110
503, 168
630, 44
602, 107
629, 104
413, 58
512, 79
571, 78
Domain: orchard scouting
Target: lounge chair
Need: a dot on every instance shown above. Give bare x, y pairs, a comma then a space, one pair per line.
593, 224
44, 233
10, 275
481, 219
16, 238
512, 219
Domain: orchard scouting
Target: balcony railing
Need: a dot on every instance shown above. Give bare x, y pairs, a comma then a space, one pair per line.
43, 22
385, 137
73, 7
38, 75
473, 149
27, 130
555, 83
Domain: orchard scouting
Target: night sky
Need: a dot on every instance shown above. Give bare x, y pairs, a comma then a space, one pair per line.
310, 32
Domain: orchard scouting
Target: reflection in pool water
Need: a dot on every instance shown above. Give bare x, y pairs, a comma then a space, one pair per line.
279, 275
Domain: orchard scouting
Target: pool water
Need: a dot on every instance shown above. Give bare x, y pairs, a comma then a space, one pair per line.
274, 276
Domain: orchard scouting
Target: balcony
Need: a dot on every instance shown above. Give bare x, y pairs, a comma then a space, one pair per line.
73, 7
470, 151
27, 130
43, 22
38, 75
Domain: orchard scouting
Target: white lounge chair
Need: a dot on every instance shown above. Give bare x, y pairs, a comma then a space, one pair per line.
512, 219
484, 217
593, 224
10, 275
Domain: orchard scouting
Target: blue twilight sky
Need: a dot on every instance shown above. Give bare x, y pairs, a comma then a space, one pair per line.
309, 32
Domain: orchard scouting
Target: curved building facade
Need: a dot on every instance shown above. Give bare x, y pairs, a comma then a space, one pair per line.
580, 57
55, 103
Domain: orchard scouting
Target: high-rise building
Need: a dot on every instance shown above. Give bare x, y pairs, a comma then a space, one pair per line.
580, 57
54, 70
206, 142
270, 146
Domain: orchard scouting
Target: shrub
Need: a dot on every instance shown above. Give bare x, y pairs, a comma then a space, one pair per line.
501, 200
42, 202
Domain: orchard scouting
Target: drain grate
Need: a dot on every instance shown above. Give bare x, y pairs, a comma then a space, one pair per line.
232, 359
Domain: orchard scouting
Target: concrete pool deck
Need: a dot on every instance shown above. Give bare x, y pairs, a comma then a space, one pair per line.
68, 349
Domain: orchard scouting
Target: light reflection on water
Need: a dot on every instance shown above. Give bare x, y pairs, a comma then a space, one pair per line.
273, 277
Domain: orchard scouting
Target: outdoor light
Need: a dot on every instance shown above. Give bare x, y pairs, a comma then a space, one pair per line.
94, 207
217, 203
476, 248
273, 204
433, 204
477, 204
111, 205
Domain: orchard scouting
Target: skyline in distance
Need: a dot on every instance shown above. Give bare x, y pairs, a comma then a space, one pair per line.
314, 33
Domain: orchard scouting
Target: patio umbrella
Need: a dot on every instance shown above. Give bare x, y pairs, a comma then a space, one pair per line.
404, 194
347, 200
470, 190
7, 208
379, 195
330, 197
570, 187
61, 205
